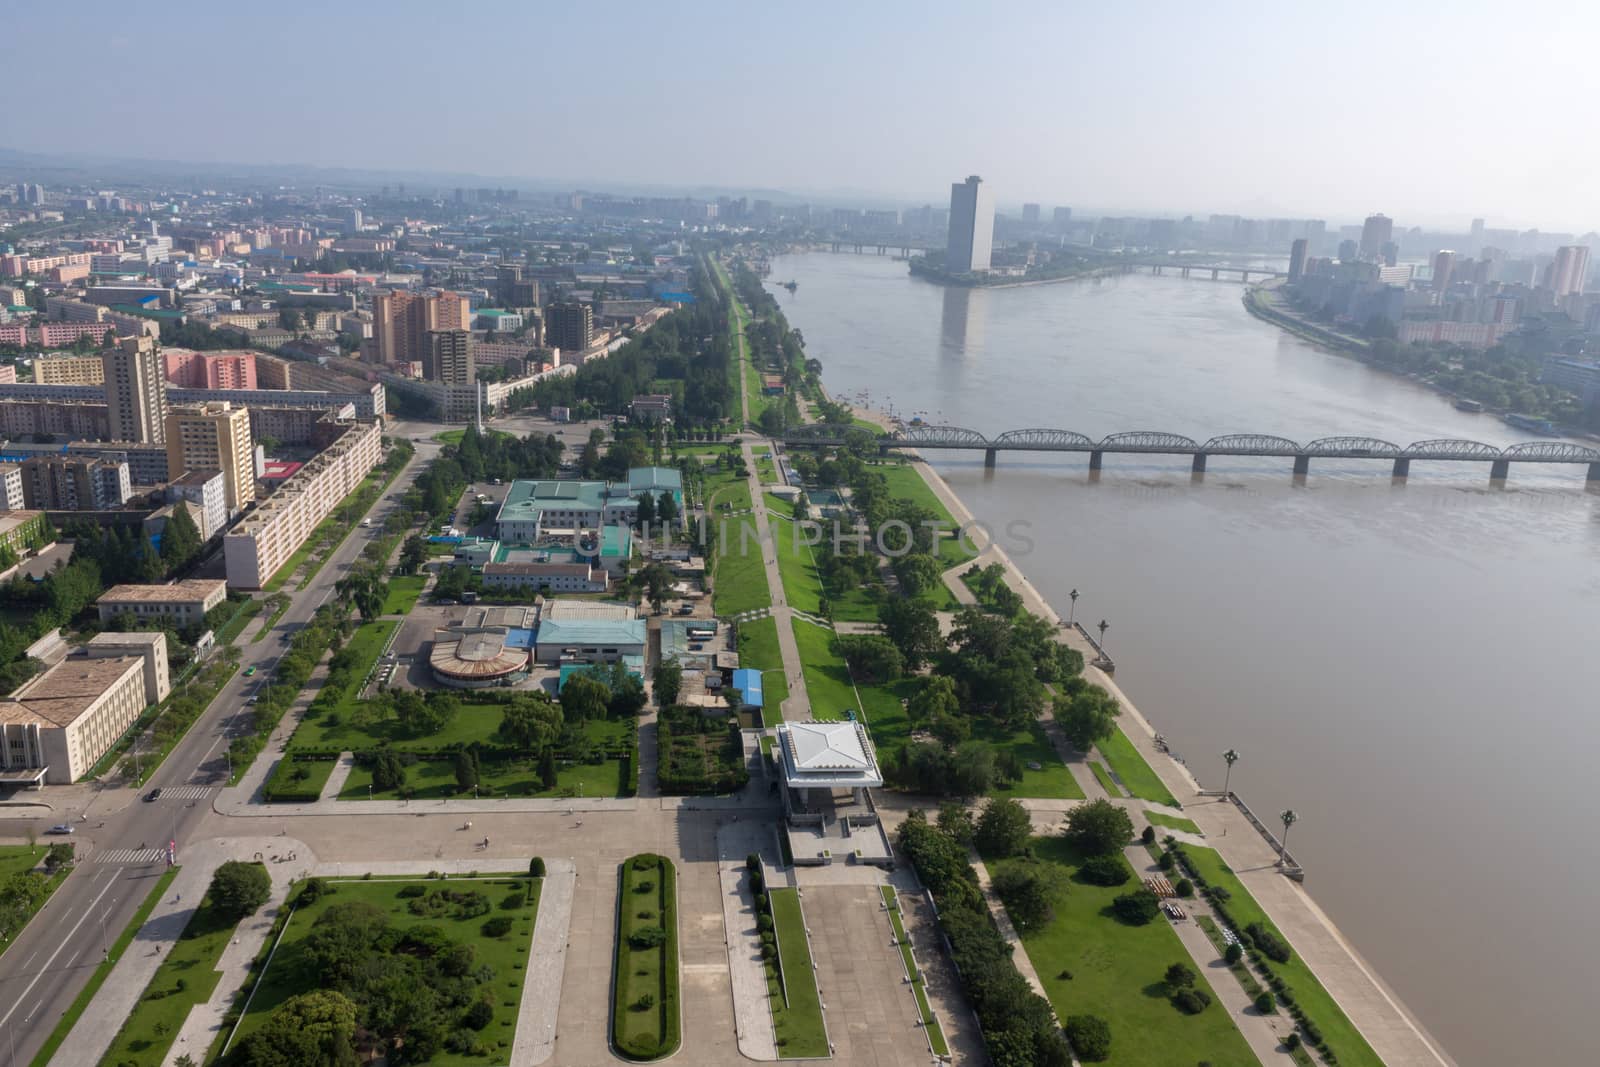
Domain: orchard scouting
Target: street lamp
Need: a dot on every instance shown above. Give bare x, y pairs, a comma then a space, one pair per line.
1288, 818
1072, 611
1104, 626
1229, 757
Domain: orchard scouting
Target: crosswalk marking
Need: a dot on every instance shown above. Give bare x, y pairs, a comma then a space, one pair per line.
186, 792
131, 855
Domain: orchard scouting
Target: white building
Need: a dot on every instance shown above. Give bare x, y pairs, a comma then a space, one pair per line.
186, 602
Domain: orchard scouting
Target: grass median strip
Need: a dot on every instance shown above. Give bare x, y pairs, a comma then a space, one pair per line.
1103, 776
930, 1022
280, 604
644, 999
1171, 822
1136, 774
80, 1003
758, 650
796, 1005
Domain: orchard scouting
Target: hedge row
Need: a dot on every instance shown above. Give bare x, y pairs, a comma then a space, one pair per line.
1260, 943
681, 769
628, 924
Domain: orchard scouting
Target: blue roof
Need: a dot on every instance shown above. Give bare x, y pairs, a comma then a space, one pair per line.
748, 682
519, 637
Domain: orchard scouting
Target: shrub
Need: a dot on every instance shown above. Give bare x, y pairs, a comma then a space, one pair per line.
644, 863
536, 867
1090, 1037
1149, 835
1108, 870
647, 937
1233, 953
409, 891
1180, 976
479, 1015
1271, 945
763, 922
1292, 1042
238, 889
644, 885
644, 1003
1183, 887
1136, 908
1167, 861
499, 926
1191, 1001
753, 862
1265, 1003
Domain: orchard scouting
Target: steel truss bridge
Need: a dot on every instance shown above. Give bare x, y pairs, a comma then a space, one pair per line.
1149, 442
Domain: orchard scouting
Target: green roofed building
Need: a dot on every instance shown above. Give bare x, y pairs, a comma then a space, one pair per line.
534, 508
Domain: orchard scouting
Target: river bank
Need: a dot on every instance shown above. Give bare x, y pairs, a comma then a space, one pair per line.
1375, 1009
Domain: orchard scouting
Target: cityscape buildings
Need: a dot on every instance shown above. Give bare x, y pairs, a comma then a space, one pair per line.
135, 391
215, 436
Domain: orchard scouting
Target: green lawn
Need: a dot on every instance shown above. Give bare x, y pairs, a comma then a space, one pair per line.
185, 978
404, 590
797, 1023
1135, 773
1103, 776
740, 578
1340, 1034
292, 972
299, 781
929, 1022
1116, 973
802, 587
644, 1004
436, 779
80, 1003
828, 685
235, 626
1051, 780
1171, 822
367, 644
758, 651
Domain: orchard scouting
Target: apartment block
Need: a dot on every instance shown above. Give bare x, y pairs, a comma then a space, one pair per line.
209, 370
136, 391
401, 321
215, 436
280, 524
11, 495
75, 483
69, 370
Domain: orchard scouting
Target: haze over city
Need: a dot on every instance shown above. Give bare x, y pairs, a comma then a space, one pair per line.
1433, 115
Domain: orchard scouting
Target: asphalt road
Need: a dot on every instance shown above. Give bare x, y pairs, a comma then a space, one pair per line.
50, 961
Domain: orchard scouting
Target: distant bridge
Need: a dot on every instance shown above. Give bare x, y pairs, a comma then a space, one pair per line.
1148, 442
1184, 269
904, 246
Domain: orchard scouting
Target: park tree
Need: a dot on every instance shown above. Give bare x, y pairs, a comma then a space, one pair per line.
238, 888
1136, 908
1027, 887
388, 771
647, 509
1090, 1037
316, 1027
1179, 976
918, 573
413, 553
1098, 828
1087, 716
180, 540
532, 721
970, 769
913, 628
548, 776
584, 698
419, 715
934, 696
871, 655
956, 821
656, 581
666, 507
668, 679
466, 770
1003, 828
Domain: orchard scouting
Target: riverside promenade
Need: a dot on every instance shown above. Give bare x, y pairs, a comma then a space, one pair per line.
1375, 1009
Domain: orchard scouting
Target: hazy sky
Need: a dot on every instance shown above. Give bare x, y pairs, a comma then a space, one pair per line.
1430, 112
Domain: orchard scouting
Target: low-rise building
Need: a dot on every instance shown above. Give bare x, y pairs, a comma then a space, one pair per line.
279, 525
654, 407
22, 530
206, 490
58, 724
186, 602
550, 576
582, 632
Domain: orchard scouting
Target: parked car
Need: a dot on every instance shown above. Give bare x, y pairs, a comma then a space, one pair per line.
154, 794
61, 828
248, 671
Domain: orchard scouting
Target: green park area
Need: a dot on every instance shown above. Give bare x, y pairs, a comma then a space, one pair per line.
1241, 909
1043, 773
802, 587
905, 482
930, 1022
404, 589
792, 982
741, 577
645, 1016
436, 963
1093, 962
25, 887
1171, 822
1134, 772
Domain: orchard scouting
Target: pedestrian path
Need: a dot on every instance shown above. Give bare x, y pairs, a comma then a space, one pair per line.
752, 1013
535, 1040
339, 775
131, 855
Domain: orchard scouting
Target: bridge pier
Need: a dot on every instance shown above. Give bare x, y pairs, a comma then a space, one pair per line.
1214, 273
1594, 473
1302, 465
1095, 460
1185, 272
1499, 469
988, 459
1402, 468
1199, 464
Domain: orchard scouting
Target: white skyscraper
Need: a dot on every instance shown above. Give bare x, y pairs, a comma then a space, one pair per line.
971, 227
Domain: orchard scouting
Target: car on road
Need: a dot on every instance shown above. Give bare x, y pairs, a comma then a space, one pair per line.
61, 828
248, 671
251, 700
154, 794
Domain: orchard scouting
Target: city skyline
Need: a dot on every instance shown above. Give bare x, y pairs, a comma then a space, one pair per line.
1090, 135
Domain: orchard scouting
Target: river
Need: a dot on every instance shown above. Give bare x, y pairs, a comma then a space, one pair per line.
1411, 667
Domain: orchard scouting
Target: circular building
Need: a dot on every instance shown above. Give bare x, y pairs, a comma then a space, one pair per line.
479, 659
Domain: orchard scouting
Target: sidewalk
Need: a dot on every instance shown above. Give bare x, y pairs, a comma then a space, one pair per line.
798, 705
535, 1039
340, 774
752, 1015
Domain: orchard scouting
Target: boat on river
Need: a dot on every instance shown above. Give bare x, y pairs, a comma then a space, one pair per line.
1543, 427
1470, 406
